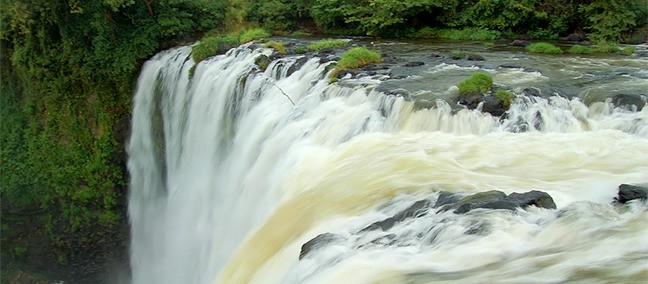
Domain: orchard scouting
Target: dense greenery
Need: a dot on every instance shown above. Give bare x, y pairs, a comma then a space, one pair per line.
68, 73
580, 49
477, 83
543, 47
602, 20
356, 57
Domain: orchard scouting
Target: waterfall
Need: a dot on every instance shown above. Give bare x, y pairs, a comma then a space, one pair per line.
229, 178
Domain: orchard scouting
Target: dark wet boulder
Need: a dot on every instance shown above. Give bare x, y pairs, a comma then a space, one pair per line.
629, 102
445, 198
495, 199
436, 55
628, 192
490, 103
299, 63
418, 209
414, 64
577, 36
475, 57
532, 92
471, 101
532, 198
319, 242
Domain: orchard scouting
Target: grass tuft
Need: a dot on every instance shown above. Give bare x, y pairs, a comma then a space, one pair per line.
477, 83
253, 34
356, 57
543, 47
505, 97
628, 50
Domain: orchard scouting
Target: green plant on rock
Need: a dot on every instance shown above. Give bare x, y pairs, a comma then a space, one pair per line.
276, 45
253, 34
477, 83
628, 50
326, 44
356, 57
505, 97
211, 45
605, 47
456, 55
580, 49
544, 47
301, 49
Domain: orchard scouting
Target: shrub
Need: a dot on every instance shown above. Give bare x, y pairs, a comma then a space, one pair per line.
276, 45
253, 34
605, 47
543, 47
580, 49
327, 43
505, 97
477, 83
205, 48
210, 46
628, 50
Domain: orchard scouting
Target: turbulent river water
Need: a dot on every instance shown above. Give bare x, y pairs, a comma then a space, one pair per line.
229, 178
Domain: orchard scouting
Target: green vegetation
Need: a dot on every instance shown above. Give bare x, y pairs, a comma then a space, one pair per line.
456, 55
67, 80
253, 34
628, 50
505, 97
301, 34
543, 47
605, 47
301, 49
326, 44
477, 83
602, 20
211, 45
580, 49
356, 57
276, 45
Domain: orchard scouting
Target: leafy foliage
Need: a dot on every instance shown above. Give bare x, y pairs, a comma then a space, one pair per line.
253, 34
505, 97
477, 83
68, 70
211, 45
543, 47
628, 50
580, 49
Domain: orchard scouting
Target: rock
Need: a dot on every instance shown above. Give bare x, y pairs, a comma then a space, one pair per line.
446, 198
531, 92
436, 55
629, 192
536, 198
262, 61
419, 208
471, 101
399, 93
477, 200
520, 43
414, 64
299, 63
629, 102
513, 66
475, 57
319, 242
495, 199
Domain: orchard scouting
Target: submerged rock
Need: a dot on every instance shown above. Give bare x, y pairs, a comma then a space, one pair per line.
629, 102
628, 192
414, 64
319, 242
475, 57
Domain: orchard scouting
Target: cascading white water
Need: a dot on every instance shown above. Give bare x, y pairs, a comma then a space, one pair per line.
229, 178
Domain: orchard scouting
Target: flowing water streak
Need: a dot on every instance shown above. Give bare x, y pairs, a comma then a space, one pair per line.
228, 178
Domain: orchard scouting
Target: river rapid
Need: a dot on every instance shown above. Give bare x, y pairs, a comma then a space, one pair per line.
233, 168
